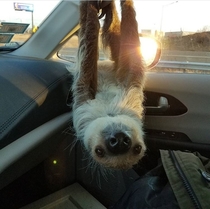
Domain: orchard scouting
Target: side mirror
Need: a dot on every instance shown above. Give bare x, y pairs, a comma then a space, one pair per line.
151, 50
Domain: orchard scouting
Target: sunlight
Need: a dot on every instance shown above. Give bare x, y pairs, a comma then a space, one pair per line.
148, 49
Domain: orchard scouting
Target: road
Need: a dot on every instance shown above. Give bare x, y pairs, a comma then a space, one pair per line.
186, 56
180, 56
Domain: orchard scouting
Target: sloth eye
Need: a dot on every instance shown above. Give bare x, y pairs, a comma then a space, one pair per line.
100, 152
137, 149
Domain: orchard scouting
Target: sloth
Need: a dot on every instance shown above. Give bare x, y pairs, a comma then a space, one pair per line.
108, 95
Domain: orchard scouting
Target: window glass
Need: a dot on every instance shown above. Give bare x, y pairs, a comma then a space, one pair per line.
182, 27
19, 20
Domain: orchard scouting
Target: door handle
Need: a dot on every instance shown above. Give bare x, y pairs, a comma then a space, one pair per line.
160, 108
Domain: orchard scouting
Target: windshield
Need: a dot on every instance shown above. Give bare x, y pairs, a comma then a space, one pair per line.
19, 20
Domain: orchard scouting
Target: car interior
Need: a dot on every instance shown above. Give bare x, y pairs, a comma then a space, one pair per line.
41, 164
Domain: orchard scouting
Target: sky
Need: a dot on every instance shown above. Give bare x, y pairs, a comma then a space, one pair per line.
41, 9
165, 15
182, 15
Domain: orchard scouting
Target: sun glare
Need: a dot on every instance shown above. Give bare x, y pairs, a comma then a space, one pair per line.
148, 49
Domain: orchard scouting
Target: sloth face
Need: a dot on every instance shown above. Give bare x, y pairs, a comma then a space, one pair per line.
115, 142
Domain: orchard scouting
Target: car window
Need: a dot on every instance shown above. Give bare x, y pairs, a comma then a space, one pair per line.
19, 20
69, 50
182, 27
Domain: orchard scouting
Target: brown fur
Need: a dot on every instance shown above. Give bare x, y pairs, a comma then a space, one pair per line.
123, 41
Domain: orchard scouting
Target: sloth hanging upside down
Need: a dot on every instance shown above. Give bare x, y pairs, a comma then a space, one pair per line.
108, 95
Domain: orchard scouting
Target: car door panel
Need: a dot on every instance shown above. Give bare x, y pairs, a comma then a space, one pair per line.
192, 90
29, 150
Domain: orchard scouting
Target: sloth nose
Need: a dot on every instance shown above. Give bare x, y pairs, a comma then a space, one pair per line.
119, 143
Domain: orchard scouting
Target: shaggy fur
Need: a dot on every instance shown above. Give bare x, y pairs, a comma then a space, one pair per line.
108, 95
